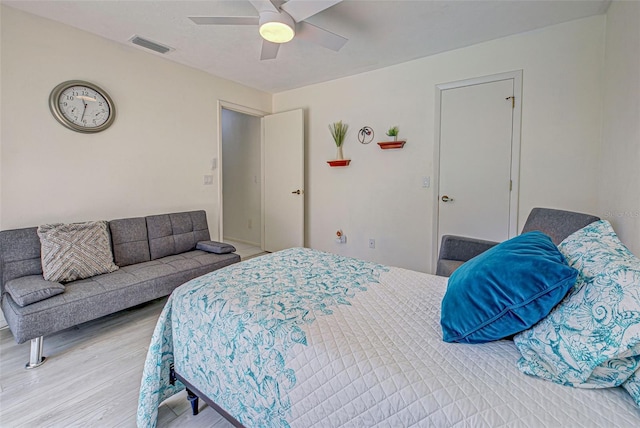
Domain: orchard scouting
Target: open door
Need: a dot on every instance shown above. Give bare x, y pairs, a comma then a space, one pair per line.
283, 180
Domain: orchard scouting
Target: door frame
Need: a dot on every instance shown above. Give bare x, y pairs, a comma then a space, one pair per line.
514, 195
251, 112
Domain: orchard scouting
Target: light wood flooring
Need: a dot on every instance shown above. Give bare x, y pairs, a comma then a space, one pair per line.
244, 250
91, 377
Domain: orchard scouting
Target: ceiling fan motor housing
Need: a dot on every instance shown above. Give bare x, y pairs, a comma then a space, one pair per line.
277, 27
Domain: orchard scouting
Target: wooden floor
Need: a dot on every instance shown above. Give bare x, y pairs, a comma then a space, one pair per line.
91, 377
244, 250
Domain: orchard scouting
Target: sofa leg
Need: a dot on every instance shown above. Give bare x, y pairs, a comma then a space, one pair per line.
35, 357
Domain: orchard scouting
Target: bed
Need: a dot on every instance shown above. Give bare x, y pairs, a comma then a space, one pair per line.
303, 338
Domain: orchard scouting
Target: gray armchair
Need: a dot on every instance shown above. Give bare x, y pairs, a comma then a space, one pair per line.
558, 224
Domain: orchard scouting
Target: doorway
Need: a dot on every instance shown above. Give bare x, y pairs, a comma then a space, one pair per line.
241, 177
477, 157
261, 178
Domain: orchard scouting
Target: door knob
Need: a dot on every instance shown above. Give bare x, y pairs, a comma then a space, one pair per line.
296, 192
445, 198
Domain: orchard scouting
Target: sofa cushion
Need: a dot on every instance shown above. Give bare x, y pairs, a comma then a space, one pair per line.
176, 233
182, 226
31, 289
130, 241
161, 241
19, 254
75, 251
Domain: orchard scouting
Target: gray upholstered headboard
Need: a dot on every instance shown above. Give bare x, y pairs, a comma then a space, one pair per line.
558, 224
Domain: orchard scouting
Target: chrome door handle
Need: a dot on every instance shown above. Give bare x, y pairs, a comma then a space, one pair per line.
296, 192
445, 198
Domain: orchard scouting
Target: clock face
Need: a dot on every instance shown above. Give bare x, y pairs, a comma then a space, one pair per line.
81, 106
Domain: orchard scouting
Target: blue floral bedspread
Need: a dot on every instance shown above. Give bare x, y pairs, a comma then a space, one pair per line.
229, 332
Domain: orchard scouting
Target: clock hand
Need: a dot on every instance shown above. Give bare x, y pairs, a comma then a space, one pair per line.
83, 111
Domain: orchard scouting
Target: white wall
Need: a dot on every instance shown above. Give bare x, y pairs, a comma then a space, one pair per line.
619, 196
3, 322
1, 10
380, 195
241, 179
153, 158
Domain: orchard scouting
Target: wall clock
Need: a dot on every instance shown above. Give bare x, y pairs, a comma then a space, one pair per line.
82, 106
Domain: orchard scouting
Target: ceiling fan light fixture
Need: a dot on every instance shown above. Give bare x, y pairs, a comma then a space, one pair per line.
276, 27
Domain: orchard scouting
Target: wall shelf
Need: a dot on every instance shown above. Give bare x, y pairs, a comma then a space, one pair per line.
339, 162
385, 145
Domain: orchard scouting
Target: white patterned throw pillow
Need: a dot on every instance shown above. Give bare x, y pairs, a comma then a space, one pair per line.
75, 251
592, 338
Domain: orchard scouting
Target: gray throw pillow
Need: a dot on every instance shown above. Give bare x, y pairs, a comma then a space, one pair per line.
33, 288
75, 251
215, 247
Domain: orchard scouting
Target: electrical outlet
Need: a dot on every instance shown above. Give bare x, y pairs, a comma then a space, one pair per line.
372, 243
208, 180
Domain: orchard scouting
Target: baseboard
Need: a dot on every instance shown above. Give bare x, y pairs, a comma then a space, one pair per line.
255, 255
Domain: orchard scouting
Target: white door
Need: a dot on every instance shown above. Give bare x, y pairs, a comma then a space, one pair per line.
478, 161
283, 180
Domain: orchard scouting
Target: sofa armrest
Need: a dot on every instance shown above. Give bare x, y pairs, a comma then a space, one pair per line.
462, 248
455, 250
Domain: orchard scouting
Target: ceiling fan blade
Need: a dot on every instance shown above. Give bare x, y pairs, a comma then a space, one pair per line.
302, 9
320, 36
269, 50
225, 20
264, 6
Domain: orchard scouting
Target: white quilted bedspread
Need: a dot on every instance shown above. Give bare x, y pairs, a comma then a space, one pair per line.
381, 362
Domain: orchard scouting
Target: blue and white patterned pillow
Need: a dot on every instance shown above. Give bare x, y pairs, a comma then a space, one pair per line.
592, 338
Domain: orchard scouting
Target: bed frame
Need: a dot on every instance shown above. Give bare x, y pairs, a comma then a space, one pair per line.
193, 395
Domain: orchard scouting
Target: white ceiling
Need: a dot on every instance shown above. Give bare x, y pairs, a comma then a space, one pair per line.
380, 33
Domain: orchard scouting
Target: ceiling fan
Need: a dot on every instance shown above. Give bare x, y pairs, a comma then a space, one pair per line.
280, 21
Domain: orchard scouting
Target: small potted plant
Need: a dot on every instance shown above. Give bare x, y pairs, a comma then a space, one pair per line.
395, 144
338, 132
393, 132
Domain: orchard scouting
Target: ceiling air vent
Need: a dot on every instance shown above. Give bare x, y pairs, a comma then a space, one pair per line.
145, 43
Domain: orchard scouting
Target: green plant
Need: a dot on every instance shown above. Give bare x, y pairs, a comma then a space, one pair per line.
338, 131
393, 131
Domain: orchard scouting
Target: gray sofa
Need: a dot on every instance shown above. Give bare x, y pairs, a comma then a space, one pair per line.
557, 224
155, 254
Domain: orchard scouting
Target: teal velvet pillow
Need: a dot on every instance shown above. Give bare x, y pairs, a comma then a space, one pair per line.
505, 290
